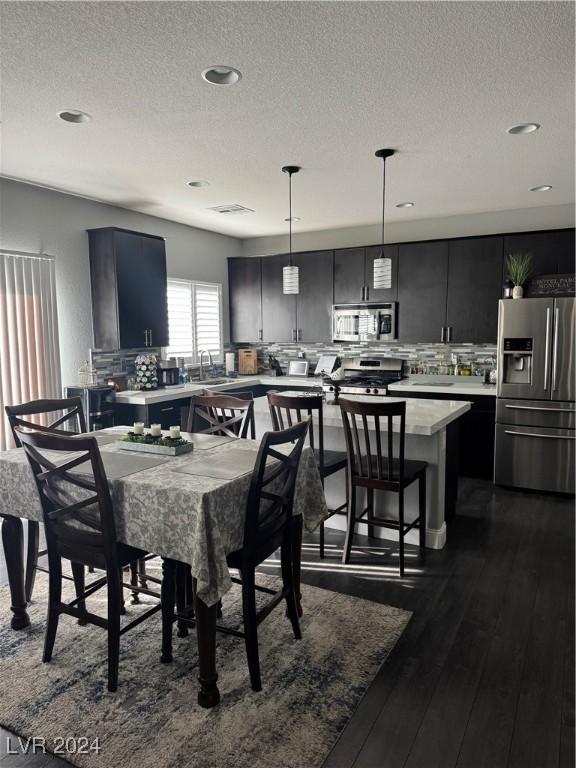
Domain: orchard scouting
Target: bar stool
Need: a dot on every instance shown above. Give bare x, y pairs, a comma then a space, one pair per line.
369, 469
286, 410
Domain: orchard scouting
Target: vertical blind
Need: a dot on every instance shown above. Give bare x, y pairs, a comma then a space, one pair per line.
29, 350
194, 319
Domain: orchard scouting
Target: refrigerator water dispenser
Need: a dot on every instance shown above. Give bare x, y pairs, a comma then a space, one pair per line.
517, 360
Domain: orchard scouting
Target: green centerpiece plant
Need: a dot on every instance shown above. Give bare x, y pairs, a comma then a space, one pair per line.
519, 269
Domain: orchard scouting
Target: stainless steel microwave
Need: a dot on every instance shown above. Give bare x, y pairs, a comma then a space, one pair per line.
364, 322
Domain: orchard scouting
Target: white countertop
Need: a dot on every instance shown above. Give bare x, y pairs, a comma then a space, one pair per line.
423, 417
457, 385
138, 397
444, 385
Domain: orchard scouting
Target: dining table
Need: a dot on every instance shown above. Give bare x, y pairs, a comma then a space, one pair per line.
188, 508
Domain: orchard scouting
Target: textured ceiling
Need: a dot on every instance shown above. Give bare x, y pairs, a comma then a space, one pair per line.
324, 85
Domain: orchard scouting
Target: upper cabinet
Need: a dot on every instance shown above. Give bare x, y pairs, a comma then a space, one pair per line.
314, 302
552, 251
474, 287
278, 309
422, 289
447, 290
245, 289
354, 275
129, 289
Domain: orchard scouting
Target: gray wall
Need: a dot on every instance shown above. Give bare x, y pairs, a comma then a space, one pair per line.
525, 219
39, 220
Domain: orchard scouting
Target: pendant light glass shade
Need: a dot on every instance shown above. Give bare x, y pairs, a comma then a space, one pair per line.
291, 279
290, 273
382, 264
382, 272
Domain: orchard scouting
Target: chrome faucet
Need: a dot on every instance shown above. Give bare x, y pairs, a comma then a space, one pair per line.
210, 363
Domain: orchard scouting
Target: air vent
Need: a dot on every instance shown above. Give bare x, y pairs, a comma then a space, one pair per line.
231, 210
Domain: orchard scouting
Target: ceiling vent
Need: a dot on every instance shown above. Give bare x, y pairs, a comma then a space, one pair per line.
231, 210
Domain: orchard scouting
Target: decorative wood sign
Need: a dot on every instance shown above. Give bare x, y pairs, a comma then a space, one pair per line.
551, 285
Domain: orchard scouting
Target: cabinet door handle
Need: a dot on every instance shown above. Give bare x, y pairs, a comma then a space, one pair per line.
299, 334
260, 334
145, 338
363, 293
443, 334
293, 334
449, 333
150, 332
165, 410
367, 296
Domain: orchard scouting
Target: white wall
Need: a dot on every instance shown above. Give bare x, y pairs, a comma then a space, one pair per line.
522, 220
38, 220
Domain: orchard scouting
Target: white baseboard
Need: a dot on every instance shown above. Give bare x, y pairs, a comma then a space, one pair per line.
435, 537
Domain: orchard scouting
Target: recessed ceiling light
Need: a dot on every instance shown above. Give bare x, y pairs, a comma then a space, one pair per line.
221, 75
74, 116
294, 218
199, 183
541, 188
523, 128
407, 204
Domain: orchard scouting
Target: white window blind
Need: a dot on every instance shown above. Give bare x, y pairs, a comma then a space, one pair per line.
194, 319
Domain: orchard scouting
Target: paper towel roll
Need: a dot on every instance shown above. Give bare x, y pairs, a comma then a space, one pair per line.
230, 363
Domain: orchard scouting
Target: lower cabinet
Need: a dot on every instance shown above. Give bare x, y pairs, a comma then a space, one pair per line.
476, 433
167, 414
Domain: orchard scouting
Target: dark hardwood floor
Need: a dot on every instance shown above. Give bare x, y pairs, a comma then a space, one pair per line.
483, 676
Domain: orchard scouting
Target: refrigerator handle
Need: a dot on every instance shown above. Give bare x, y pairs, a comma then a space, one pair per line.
555, 352
547, 348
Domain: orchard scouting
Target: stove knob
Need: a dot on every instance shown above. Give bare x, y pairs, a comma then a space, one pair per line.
368, 391
375, 391
331, 389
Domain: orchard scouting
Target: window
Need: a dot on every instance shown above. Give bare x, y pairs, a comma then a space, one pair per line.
194, 319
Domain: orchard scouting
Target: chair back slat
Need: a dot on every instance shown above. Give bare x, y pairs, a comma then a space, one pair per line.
77, 508
271, 495
365, 458
70, 408
287, 410
221, 414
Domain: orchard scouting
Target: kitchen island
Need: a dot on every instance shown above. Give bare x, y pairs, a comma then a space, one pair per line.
431, 436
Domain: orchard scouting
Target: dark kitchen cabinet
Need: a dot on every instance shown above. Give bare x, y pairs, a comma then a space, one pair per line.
474, 288
245, 288
354, 275
129, 289
349, 282
552, 251
314, 302
278, 309
422, 290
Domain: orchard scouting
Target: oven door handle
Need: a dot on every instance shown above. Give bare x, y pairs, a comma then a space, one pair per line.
539, 408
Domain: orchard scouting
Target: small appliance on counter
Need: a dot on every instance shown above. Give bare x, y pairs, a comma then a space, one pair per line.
275, 367
298, 368
247, 362
168, 373
98, 404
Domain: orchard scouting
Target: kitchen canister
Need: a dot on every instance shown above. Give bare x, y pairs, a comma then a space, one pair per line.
230, 362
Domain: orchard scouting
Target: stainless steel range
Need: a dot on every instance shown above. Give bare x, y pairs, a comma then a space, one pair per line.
365, 376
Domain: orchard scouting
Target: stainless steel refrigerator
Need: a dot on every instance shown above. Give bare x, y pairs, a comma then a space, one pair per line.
535, 410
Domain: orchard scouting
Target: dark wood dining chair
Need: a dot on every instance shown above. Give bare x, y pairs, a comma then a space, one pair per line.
368, 468
286, 410
221, 414
80, 527
267, 527
69, 420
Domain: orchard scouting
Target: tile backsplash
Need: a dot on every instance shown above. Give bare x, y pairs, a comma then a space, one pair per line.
426, 358
106, 362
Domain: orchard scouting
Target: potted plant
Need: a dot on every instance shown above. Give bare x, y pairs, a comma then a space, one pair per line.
519, 266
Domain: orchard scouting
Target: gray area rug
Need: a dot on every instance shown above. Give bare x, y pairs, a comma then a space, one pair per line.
310, 687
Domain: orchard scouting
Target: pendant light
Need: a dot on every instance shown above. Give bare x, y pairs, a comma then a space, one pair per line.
290, 277
383, 264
